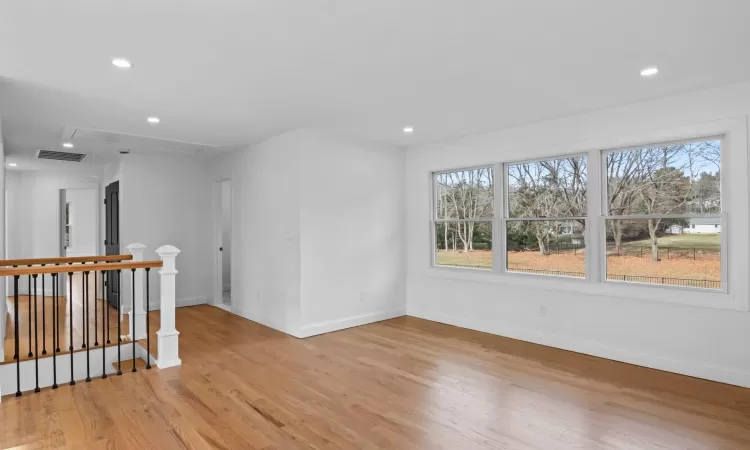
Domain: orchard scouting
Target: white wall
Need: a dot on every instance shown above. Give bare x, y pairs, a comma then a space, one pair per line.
315, 236
265, 231
351, 225
34, 212
166, 200
700, 341
3, 234
83, 209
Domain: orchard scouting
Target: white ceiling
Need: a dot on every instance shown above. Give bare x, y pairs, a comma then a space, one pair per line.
230, 72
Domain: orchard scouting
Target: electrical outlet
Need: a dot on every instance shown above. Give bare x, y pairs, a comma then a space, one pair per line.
542, 311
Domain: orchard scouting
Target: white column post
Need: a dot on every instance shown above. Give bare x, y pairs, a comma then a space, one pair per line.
168, 336
137, 312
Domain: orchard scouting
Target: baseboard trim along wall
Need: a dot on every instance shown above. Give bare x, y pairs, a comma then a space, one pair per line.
179, 303
347, 322
696, 369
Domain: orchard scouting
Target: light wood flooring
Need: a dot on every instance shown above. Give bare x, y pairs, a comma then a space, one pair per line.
404, 383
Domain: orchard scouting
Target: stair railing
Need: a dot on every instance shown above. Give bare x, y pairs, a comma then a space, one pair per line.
108, 269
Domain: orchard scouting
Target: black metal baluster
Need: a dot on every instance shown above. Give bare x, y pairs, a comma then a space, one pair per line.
70, 301
55, 329
105, 311
18, 350
36, 337
15, 292
96, 297
119, 332
29, 316
57, 311
148, 334
86, 317
132, 314
44, 319
106, 301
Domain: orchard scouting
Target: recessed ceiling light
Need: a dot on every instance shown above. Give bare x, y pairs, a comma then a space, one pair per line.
408, 130
12, 164
122, 63
68, 145
153, 120
649, 71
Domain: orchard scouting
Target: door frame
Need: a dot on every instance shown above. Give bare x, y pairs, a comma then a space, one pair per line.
218, 287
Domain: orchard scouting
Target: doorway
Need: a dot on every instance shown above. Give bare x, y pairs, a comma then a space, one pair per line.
112, 237
223, 232
78, 222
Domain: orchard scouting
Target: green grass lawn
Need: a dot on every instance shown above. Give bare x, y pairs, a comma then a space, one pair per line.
687, 241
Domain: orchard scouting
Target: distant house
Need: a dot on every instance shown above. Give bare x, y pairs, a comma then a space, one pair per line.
574, 230
701, 225
674, 229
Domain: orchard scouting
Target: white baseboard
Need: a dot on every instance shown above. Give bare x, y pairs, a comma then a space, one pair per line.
270, 323
47, 292
711, 372
347, 322
180, 302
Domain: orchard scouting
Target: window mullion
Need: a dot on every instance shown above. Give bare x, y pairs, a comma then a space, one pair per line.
596, 197
498, 226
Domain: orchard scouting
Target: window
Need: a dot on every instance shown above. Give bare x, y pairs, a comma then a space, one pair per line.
463, 218
545, 223
658, 220
652, 191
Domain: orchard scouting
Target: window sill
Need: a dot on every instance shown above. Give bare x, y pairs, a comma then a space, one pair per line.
613, 289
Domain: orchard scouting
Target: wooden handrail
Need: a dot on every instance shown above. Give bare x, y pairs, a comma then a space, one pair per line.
63, 260
13, 271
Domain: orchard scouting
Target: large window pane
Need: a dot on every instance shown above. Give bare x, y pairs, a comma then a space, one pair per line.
465, 194
463, 244
552, 188
665, 179
675, 252
547, 247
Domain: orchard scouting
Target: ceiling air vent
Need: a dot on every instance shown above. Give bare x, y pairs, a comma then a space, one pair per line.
60, 156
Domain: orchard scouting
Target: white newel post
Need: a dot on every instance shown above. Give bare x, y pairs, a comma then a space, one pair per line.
168, 336
137, 311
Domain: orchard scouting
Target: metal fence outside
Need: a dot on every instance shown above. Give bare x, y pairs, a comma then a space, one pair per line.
553, 248
685, 282
550, 272
664, 252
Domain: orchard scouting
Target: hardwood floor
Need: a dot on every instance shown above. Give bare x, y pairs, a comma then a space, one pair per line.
404, 383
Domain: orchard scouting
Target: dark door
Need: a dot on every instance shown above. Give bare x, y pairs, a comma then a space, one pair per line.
112, 236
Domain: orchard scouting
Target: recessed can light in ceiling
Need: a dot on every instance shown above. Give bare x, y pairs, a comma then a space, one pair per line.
153, 120
68, 145
649, 71
121, 63
408, 130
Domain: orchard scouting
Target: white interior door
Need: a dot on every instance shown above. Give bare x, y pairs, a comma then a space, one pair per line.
79, 217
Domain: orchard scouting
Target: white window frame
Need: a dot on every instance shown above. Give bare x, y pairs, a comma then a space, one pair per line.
603, 197
434, 219
735, 216
506, 216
